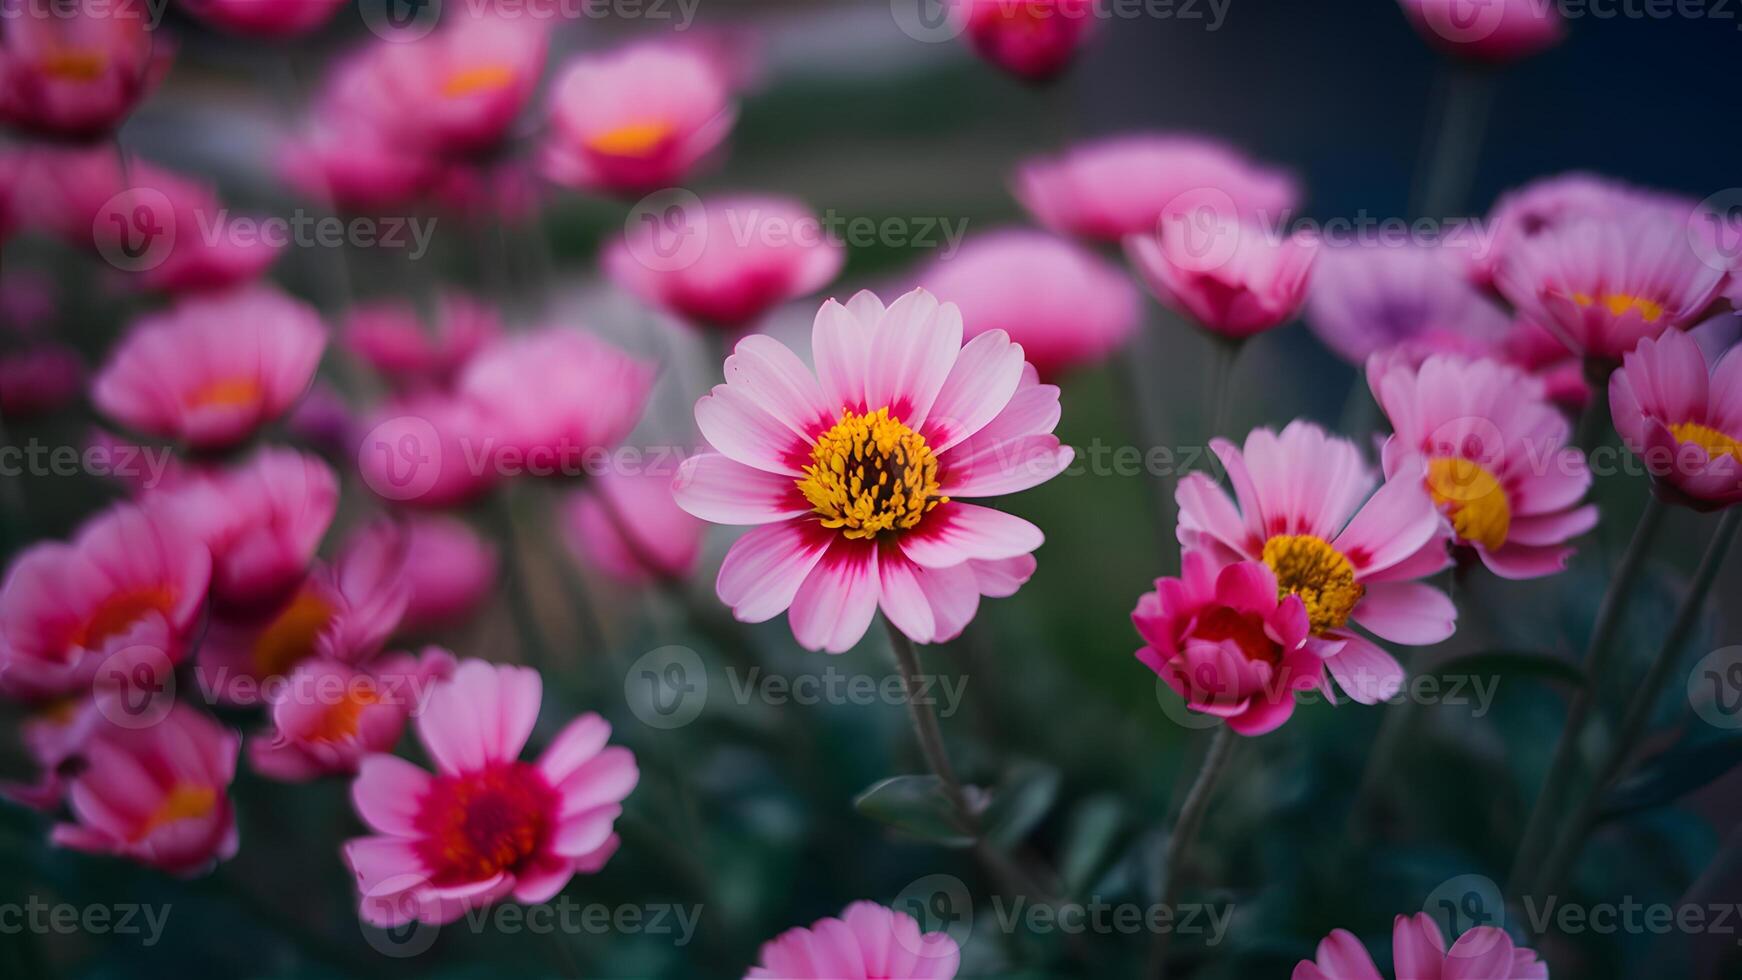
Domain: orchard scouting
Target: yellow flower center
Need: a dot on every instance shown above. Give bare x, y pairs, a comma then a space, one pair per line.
478, 79
184, 802
870, 473
75, 64
636, 139
1307, 566
225, 393
1715, 443
290, 638
1618, 304
1472, 497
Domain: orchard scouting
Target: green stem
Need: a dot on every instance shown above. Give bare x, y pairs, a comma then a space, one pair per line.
1224, 352
1465, 95
1185, 831
1593, 427
534, 646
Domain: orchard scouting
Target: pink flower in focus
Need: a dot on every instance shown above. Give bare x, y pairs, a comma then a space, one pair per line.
212, 370
636, 119
449, 568
754, 254
867, 941
1232, 278
1683, 421
1305, 506
856, 476
1034, 40
1225, 641
1487, 30
40, 379
430, 450
486, 826
1419, 951
1063, 303
1369, 298
393, 339
1125, 185
1495, 455
127, 589
630, 527
78, 72
264, 18
328, 715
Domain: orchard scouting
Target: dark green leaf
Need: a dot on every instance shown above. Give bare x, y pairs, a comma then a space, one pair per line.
1021, 802
1089, 839
1690, 764
914, 805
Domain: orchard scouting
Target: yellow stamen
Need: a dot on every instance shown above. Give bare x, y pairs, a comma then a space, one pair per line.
869, 474
1472, 497
227, 393
184, 802
1618, 304
75, 64
1323, 577
1715, 443
636, 139
478, 79
290, 639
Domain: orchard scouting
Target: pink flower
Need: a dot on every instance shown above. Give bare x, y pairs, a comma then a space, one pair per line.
554, 398
630, 527
1419, 950
1034, 40
1531, 346
856, 475
1124, 185
1234, 279
1549, 203
1495, 455
1305, 506
41, 379
1602, 285
353, 167
449, 568
1683, 421
867, 941
1225, 641
157, 795
508, 190
752, 254
262, 522
53, 736
212, 370
1370, 298
127, 589
76, 74
636, 119
28, 302
486, 826
1487, 30
1063, 303
391, 337
267, 20
328, 715
430, 450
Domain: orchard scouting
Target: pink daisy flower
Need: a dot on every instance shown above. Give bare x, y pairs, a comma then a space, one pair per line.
637, 119
1233, 278
157, 795
856, 475
1495, 455
78, 73
212, 370
1374, 297
391, 337
643, 536
1063, 303
127, 589
449, 569
868, 941
1035, 40
254, 18
1304, 505
1553, 202
1489, 31
754, 254
486, 826
328, 715
1229, 642
1419, 951
1683, 420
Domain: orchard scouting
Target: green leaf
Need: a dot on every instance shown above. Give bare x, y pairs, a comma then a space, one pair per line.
1020, 803
914, 805
1089, 837
1677, 771
1511, 663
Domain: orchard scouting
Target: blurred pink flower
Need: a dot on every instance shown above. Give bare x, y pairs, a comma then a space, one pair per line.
328, 715
449, 568
1224, 640
508, 190
264, 18
636, 119
1034, 40
1487, 30
352, 167
628, 526
393, 339
40, 379
127, 590
28, 301
486, 826
1373, 297
76, 72
1495, 455
855, 475
1232, 278
754, 253
211, 370
1531, 346
1305, 506
868, 940
1418, 950
324, 421
430, 450
1109, 188
1548, 203
1683, 420
53, 736
1063, 303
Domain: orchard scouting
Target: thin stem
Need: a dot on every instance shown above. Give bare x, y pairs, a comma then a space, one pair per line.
1596, 661
1465, 95
1593, 427
1185, 831
1223, 353
566, 964
518, 583
1129, 387
1645, 699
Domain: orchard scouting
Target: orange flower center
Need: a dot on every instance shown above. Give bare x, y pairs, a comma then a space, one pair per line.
185, 801
478, 79
121, 611
1323, 577
478, 824
225, 393
75, 64
1472, 497
340, 722
1618, 304
290, 638
1715, 443
869, 474
636, 139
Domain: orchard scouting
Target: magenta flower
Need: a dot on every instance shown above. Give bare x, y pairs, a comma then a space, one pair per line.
1550, 203
486, 826
1229, 642
628, 526
158, 795
856, 475
753, 253
636, 119
1125, 185
1035, 40
328, 715
1683, 420
212, 370
1369, 298
253, 18
868, 941
1233, 279
1495, 455
126, 590
76, 74
391, 337
1063, 303
1487, 30
1419, 950
1305, 506
449, 569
